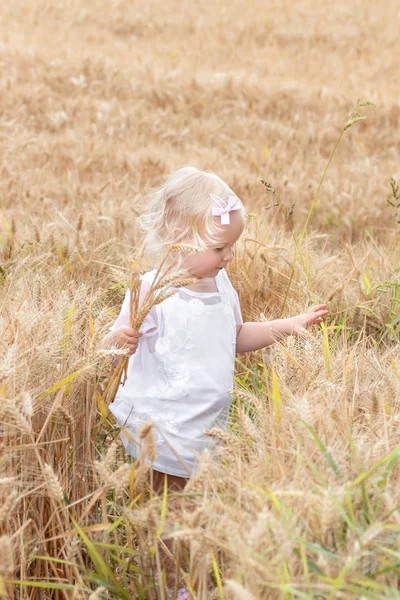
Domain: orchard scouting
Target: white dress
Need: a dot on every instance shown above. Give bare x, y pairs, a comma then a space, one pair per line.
181, 374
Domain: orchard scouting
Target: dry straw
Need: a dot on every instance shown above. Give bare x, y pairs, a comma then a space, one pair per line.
238, 591
53, 484
100, 594
8, 504
6, 555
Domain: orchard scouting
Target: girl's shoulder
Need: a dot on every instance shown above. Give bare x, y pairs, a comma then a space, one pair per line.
224, 281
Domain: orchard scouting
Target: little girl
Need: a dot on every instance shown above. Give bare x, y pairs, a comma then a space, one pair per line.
181, 367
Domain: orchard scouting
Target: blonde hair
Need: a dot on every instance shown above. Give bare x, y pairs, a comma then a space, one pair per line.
179, 211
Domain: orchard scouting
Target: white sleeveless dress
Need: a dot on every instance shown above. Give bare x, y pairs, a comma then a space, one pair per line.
181, 375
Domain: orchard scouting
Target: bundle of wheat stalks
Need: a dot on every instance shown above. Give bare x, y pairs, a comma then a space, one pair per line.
158, 292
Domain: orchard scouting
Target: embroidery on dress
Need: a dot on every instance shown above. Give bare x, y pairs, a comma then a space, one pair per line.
164, 420
173, 374
197, 307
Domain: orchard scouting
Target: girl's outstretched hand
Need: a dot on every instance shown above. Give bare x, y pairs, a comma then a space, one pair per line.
313, 316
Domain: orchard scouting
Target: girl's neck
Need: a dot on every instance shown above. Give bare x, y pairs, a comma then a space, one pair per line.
203, 284
206, 284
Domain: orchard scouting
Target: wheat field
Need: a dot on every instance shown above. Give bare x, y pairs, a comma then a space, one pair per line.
101, 100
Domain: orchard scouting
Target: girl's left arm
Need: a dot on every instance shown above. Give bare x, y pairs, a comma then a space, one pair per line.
253, 336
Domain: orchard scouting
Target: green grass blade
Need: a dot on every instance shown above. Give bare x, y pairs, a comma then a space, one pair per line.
327, 455
46, 585
390, 458
59, 384
217, 576
101, 567
60, 561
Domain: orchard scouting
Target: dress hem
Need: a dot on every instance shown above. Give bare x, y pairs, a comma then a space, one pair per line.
175, 474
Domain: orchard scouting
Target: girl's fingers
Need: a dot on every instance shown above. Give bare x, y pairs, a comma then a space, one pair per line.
132, 339
318, 307
315, 320
128, 331
131, 346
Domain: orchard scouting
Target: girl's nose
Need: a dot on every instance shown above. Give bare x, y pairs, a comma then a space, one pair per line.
228, 257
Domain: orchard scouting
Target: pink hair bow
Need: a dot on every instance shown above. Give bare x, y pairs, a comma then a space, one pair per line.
222, 210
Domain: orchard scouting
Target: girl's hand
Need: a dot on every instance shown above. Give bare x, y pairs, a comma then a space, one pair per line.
313, 316
125, 338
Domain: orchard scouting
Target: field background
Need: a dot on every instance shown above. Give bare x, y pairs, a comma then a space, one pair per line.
99, 101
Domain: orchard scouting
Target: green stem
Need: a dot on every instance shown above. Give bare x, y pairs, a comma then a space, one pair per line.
303, 233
